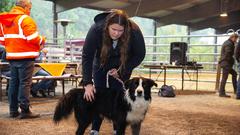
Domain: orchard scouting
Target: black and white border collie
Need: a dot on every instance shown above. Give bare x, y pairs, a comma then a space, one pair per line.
124, 108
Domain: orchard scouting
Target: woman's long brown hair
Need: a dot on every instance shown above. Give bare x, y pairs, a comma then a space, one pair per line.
121, 18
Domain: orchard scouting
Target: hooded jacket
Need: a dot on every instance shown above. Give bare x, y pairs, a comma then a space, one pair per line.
92, 51
19, 35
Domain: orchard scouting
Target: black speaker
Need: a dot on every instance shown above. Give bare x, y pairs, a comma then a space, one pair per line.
178, 53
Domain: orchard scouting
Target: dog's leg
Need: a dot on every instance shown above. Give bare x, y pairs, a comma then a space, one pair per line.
121, 127
82, 127
136, 128
84, 120
80, 130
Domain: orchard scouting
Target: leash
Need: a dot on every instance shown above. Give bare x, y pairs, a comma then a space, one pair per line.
118, 79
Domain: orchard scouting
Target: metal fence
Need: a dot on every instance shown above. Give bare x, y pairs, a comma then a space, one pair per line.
203, 49
64, 50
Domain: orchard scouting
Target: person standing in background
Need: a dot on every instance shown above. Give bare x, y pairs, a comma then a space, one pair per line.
237, 56
19, 35
226, 62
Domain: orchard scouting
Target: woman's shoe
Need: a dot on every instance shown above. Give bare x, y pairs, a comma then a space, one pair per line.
224, 95
94, 132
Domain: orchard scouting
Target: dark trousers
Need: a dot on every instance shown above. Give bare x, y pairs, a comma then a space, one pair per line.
238, 83
97, 122
114, 85
20, 83
225, 72
100, 82
43, 84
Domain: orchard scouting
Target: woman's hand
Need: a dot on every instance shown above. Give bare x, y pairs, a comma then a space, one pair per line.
89, 92
114, 72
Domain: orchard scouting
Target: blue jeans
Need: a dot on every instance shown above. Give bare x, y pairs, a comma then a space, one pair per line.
238, 82
20, 83
44, 84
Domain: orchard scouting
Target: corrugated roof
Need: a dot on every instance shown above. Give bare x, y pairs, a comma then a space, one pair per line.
198, 14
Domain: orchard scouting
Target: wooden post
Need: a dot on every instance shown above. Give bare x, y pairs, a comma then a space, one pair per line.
218, 65
218, 77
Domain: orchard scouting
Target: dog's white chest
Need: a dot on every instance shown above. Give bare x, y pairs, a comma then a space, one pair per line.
139, 109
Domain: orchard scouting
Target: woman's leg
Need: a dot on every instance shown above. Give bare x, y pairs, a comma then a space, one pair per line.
96, 124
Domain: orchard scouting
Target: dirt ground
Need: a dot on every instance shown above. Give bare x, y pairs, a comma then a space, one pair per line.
190, 113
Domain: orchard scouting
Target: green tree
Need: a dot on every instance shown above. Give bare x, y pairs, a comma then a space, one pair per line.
6, 5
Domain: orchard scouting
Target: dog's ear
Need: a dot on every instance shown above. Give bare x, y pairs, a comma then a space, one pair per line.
127, 83
152, 83
130, 82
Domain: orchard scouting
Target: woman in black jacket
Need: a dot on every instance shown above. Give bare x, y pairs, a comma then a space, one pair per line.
114, 45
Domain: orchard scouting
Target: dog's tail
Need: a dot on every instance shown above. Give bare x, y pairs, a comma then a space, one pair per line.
65, 105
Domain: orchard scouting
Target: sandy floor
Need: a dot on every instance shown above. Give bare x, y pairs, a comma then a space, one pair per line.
190, 113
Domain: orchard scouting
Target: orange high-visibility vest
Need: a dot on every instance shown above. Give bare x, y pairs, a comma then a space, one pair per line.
19, 35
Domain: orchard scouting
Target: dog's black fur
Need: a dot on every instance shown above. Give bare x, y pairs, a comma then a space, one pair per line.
122, 107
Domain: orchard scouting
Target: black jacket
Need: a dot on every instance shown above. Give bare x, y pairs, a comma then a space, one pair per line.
227, 52
237, 52
92, 49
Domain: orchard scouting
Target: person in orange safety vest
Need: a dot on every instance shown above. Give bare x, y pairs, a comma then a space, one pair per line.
20, 36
